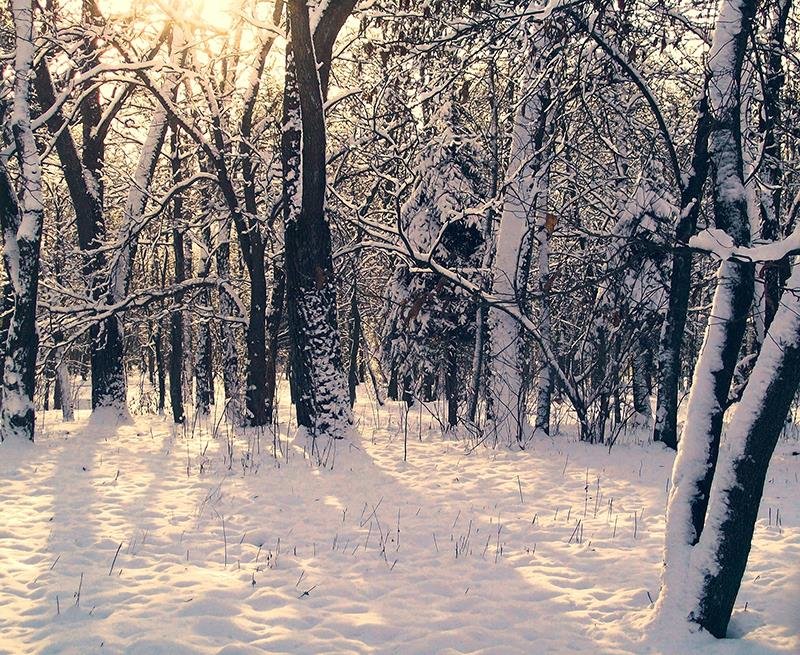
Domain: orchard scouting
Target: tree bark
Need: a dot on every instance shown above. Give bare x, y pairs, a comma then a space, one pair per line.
665, 428
317, 375
532, 124
227, 331
204, 367
158, 346
19, 375
274, 319
751, 437
698, 450
176, 317
9, 223
355, 342
543, 383
770, 197
451, 386
641, 363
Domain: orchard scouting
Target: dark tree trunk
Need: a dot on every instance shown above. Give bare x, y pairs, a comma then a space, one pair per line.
176, 317
734, 296
160, 372
204, 371
641, 364
9, 223
355, 342
57, 394
22, 346
774, 273
7, 309
665, 428
176, 366
317, 375
274, 319
204, 365
429, 390
600, 383
480, 354
392, 391
688, 518
151, 362
256, 340
108, 368
451, 384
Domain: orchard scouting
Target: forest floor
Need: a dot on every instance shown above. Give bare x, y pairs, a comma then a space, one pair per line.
147, 538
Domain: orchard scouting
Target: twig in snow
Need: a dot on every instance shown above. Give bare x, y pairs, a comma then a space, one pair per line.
307, 591
78, 593
114, 561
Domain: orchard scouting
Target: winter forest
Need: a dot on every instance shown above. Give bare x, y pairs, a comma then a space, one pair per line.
400, 326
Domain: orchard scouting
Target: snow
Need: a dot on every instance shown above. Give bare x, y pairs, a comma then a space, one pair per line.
721, 245
713, 240
361, 556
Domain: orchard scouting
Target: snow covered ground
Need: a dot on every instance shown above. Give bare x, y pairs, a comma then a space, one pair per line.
147, 538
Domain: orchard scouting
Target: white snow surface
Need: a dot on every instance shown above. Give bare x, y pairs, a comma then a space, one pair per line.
459, 550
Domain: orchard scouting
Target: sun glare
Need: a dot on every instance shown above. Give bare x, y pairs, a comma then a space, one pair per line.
214, 14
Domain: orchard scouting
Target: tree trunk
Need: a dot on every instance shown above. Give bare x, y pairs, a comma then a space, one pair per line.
640, 380
256, 340
204, 372
227, 331
56, 394
532, 127
698, 449
751, 437
543, 384
160, 371
64, 386
451, 387
665, 428
19, 374
9, 223
83, 175
320, 391
355, 342
480, 353
773, 273
393, 390
176, 317
274, 318
204, 363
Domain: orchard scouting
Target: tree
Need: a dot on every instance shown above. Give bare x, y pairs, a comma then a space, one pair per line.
429, 325
22, 233
523, 225
698, 449
319, 388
